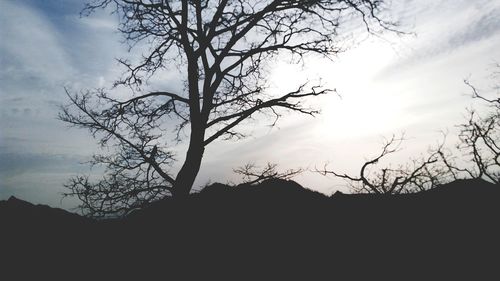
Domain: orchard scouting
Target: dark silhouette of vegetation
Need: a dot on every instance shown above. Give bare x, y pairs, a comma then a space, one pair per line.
478, 149
480, 138
418, 175
252, 174
434, 219
222, 50
479, 142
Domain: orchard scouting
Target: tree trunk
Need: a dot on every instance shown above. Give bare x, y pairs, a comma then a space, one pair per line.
189, 170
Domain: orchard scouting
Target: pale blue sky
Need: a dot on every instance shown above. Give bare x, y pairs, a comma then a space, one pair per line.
412, 84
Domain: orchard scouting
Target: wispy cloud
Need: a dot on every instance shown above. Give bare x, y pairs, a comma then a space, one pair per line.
443, 27
44, 47
485, 26
37, 177
30, 45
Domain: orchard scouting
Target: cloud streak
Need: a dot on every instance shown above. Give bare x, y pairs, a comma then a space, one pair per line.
444, 27
43, 48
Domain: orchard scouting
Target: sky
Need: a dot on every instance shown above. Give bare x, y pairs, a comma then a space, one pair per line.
387, 85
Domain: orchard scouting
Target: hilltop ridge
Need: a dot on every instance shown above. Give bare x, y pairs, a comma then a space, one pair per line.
277, 226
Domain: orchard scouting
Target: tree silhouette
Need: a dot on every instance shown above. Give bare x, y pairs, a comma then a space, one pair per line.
222, 49
480, 138
252, 174
479, 143
418, 175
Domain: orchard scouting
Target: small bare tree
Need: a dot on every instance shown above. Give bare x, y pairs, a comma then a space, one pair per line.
253, 174
417, 175
222, 48
479, 142
480, 138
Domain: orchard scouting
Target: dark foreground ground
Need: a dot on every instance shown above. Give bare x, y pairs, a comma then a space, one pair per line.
272, 231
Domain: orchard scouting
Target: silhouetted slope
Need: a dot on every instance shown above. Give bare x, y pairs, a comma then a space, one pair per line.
281, 228
219, 200
21, 210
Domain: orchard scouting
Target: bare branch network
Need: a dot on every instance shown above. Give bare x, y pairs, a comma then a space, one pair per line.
253, 174
480, 137
479, 143
224, 47
417, 175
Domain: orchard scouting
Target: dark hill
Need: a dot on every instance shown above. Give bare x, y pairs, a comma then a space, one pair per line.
19, 212
273, 230
223, 201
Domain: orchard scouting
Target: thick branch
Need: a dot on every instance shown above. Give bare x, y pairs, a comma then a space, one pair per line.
277, 102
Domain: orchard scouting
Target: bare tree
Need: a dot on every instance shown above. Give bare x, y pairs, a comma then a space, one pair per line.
479, 142
480, 138
252, 174
417, 175
223, 48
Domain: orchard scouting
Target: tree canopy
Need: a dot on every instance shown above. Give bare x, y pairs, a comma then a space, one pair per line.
222, 49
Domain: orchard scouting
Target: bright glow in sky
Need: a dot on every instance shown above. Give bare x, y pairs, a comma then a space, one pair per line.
411, 84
